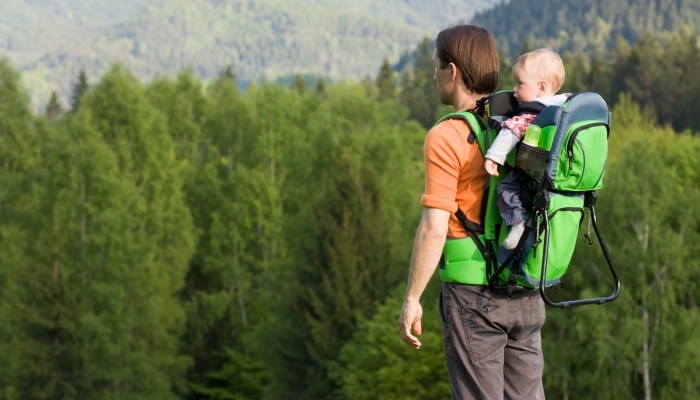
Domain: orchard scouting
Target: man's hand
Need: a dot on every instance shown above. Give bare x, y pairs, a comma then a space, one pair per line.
491, 167
411, 314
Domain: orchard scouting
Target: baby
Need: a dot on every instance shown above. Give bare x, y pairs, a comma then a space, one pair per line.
538, 76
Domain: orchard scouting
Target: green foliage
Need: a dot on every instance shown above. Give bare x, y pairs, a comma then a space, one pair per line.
376, 364
576, 73
183, 240
320, 88
299, 84
242, 377
587, 25
54, 108
385, 82
505, 72
645, 211
91, 310
347, 214
79, 89
664, 78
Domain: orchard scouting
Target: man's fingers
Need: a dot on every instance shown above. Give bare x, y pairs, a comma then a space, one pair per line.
405, 331
417, 328
410, 339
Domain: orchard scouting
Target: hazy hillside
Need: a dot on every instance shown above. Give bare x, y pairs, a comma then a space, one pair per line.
586, 25
50, 40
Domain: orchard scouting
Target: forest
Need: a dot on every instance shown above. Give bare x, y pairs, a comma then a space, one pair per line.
183, 239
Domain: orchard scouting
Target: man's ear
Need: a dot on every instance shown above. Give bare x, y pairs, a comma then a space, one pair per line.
453, 71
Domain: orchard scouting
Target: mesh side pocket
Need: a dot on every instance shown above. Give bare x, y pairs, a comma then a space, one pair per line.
532, 161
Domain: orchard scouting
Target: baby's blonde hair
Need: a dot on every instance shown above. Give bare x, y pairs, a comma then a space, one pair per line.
545, 64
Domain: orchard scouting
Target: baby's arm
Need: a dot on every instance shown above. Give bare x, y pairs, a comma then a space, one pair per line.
504, 143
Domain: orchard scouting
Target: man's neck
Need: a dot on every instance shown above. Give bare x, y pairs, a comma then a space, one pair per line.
464, 100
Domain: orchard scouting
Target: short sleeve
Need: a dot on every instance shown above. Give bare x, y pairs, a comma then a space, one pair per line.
443, 152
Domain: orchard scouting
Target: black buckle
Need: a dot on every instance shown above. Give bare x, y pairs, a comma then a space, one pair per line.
542, 202
512, 283
590, 199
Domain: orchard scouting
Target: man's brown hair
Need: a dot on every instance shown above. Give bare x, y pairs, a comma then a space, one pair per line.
473, 50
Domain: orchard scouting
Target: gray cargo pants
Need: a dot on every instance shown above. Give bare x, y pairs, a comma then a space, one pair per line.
492, 342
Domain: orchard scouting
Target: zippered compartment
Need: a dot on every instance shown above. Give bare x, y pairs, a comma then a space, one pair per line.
565, 216
583, 157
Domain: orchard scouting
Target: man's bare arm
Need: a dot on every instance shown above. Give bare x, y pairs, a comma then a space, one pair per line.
427, 248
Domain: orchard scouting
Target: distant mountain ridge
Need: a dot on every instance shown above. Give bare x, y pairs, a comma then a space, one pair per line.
50, 40
586, 25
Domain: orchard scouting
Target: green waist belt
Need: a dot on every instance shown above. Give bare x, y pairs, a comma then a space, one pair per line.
462, 262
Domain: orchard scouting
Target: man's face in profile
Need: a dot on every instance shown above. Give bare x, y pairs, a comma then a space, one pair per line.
443, 81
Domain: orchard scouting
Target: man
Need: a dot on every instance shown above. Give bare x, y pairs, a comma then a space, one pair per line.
492, 341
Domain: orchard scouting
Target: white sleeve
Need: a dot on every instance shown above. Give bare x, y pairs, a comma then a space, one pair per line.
504, 143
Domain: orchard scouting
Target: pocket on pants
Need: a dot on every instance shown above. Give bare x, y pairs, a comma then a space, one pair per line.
441, 307
537, 313
485, 338
534, 324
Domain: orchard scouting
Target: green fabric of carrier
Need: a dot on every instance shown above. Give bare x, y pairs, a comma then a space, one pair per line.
565, 214
462, 262
576, 139
583, 157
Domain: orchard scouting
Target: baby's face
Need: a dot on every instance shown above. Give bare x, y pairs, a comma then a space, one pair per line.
526, 84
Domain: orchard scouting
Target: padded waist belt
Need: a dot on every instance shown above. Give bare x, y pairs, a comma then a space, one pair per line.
462, 262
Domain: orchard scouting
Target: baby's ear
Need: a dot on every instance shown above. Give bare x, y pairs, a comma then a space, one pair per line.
543, 86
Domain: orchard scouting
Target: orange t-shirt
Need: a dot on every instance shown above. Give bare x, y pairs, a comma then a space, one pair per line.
454, 173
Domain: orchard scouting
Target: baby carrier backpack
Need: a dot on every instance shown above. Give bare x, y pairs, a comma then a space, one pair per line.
559, 179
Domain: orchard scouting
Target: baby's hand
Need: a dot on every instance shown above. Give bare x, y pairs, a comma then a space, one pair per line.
491, 167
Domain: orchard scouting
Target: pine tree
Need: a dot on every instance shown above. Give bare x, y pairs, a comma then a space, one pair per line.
620, 68
576, 72
385, 82
525, 48
597, 77
644, 79
681, 64
79, 90
299, 84
53, 108
320, 88
407, 95
426, 95
424, 59
505, 74
369, 86
227, 73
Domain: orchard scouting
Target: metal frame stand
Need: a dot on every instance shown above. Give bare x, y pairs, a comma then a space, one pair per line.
590, 201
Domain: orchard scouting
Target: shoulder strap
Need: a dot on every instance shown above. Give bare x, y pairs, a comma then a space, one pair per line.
530, 107
479, 134
479, 129
472, 228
